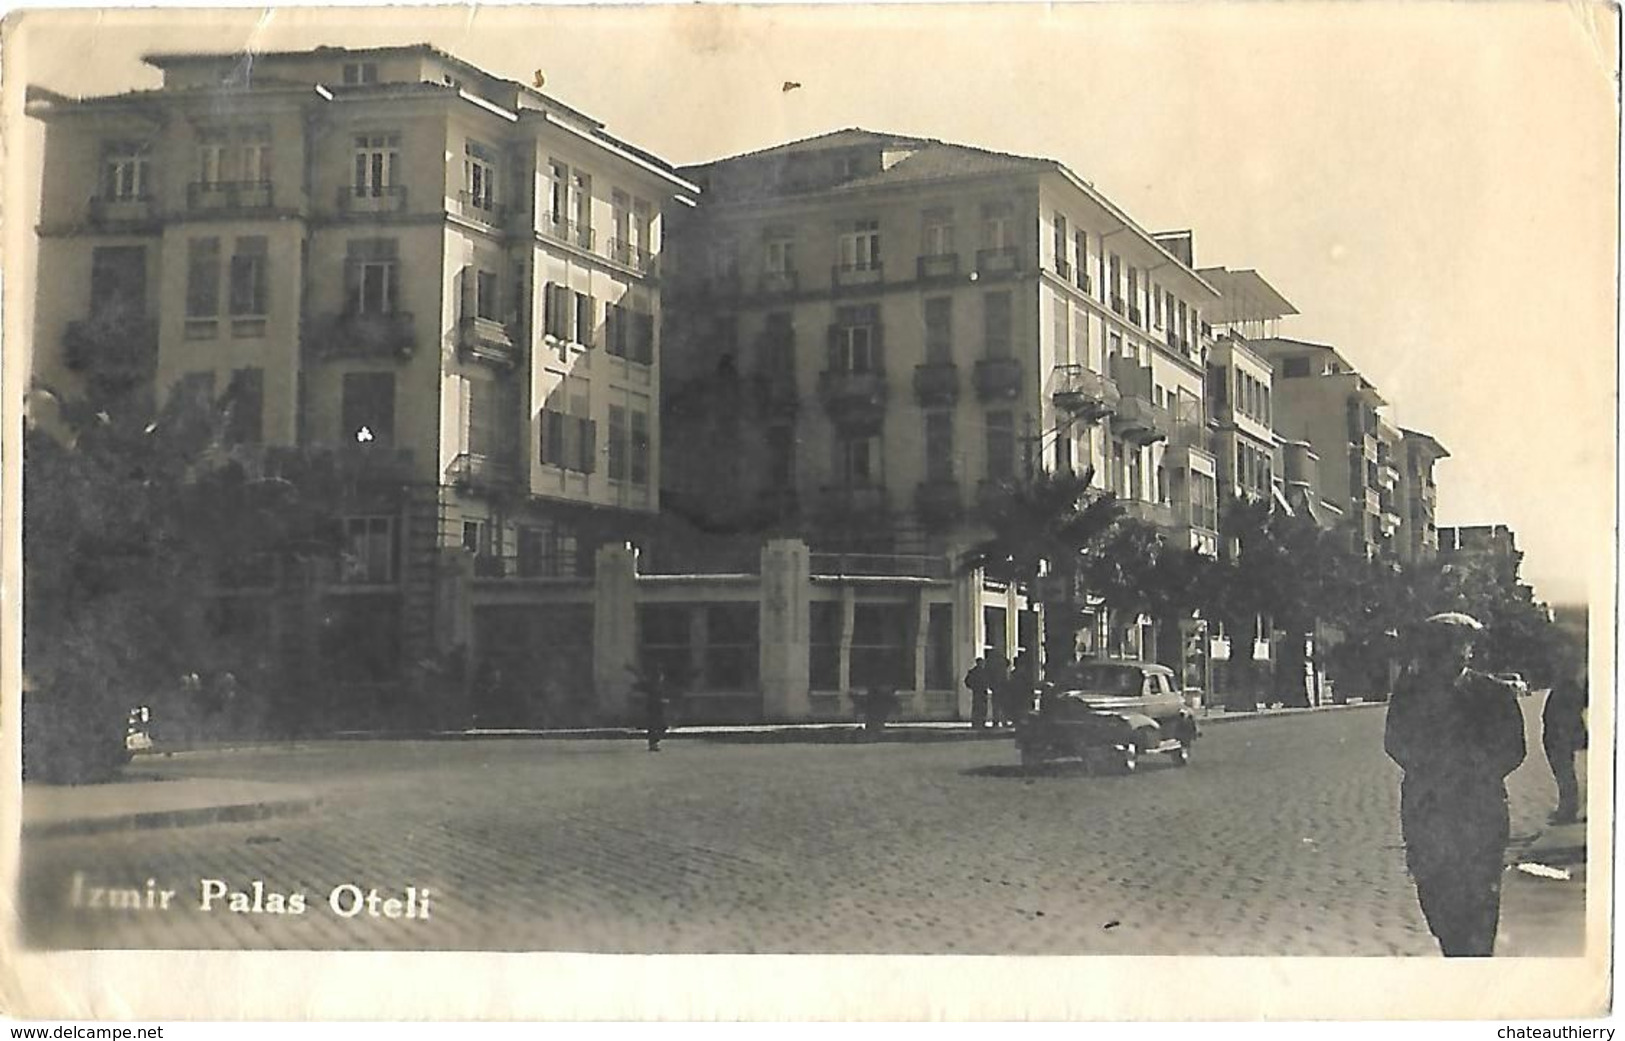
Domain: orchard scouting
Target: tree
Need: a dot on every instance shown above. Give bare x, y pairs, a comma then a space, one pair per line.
129, 518
1137, 571
1046, 527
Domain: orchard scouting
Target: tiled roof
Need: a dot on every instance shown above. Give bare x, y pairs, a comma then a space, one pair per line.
937, 161
851, 137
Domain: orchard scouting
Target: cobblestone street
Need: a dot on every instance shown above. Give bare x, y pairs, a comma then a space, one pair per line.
1281, 838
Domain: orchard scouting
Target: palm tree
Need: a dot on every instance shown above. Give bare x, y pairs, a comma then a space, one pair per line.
1046, 527
1137, 571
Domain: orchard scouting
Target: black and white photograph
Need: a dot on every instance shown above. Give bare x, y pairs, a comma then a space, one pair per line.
1033, 492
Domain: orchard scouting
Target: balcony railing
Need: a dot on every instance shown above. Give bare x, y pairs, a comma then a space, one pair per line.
939, 501
1134, 315
935, 266
936, 383
854, 399
997, 379
565, 230
629, 254
319, 464
487, 340
1158, 513
1001, 260
779, 283
372, 199
351, 334
122, 209
487, 212
480, 472
113, 344
895, 565
847, 276
229, 195
1083, 393
1141, 419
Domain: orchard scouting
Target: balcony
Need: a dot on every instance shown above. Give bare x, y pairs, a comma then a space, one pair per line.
1368, 447
939, 502
776, 391
997, 379
854, 399
115, 344
1187, 448
567, 231
1083, 281
1134, 315
372, 201
933, 267
1118, 304
936, 383
854, 276
1084, 394
208, 196
320, 466
630, 255
134, 209
1159, 513
480, 211
487, 340
350, 334
1142, 420
887, 565
1003, 260
779, 283
478, 472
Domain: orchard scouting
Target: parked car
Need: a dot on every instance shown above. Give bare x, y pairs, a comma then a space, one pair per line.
1118, 711
1516, 681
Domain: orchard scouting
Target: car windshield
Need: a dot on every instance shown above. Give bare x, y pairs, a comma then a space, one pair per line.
1106, 679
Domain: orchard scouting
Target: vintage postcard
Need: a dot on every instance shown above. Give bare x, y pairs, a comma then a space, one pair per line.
823, 512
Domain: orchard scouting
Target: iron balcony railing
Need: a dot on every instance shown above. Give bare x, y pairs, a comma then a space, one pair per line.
355, 334
229, 195
364, 199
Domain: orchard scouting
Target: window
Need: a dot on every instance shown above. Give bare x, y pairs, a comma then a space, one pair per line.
254, 155
860, 246
620, 210
245, 402
376, 156
1218, 386
882, 646
368, 408
203, 278
997, 319
1080, 245
569, 441
211, 158
1294, 368
617, 443
373, 276
1114, 278
857, 461
489, 412
939, 446
549, 550
1063, 451
939, 233
824, 619
357, 73
640, 447
248, 278
1063, 328
731, 652
997, 229
1001, 446
1134, 291
779, 254
476, 537
118, 280
939, 648
125, 171
581, 206
558, 312
479, 175
781, 441
558, 187
665, 639
586, 319
1060, 243
939, 330
642, 227
368, 557
485, 296
855, 340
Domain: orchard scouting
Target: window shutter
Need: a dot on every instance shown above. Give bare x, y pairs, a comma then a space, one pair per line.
589, 451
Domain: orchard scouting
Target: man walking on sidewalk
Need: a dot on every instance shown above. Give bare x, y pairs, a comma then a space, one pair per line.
1562, 734
1456, 733
976, 680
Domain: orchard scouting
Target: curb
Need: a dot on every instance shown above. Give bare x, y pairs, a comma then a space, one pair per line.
170, 818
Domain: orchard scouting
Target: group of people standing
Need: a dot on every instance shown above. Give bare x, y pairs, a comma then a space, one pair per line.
1000, 690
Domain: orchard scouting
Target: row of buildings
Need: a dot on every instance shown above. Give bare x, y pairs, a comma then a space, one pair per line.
586, 409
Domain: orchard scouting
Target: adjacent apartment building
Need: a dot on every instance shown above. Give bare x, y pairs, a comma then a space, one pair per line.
895, 325
400, 269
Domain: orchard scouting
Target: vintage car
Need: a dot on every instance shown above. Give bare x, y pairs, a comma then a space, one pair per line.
1111, 711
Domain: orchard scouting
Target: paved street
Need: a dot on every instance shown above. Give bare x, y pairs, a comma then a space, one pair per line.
1280, 838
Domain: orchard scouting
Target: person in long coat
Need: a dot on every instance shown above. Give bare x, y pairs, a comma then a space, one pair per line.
1562, 734
1457, 733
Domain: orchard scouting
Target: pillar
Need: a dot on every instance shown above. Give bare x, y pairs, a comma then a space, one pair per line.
614, 629
785, 630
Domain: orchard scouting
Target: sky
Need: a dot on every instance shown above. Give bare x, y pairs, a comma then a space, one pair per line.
1433, 185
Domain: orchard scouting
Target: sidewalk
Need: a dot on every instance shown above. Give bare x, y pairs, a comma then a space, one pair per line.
1543, 915
140, 801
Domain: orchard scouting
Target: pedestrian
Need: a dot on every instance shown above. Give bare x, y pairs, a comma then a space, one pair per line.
976, 681
654, 708
1024, 683
1562, 734
1457, 733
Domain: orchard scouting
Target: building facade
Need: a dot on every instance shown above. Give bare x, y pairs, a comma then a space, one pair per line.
869, 333
1419, 496
434, 282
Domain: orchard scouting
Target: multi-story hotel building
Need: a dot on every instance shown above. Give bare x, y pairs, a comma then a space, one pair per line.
904, 324
433, 282
1418, 496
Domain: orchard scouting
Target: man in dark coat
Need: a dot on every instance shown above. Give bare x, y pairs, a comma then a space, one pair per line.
1457, 733
1563, 733
976, 681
